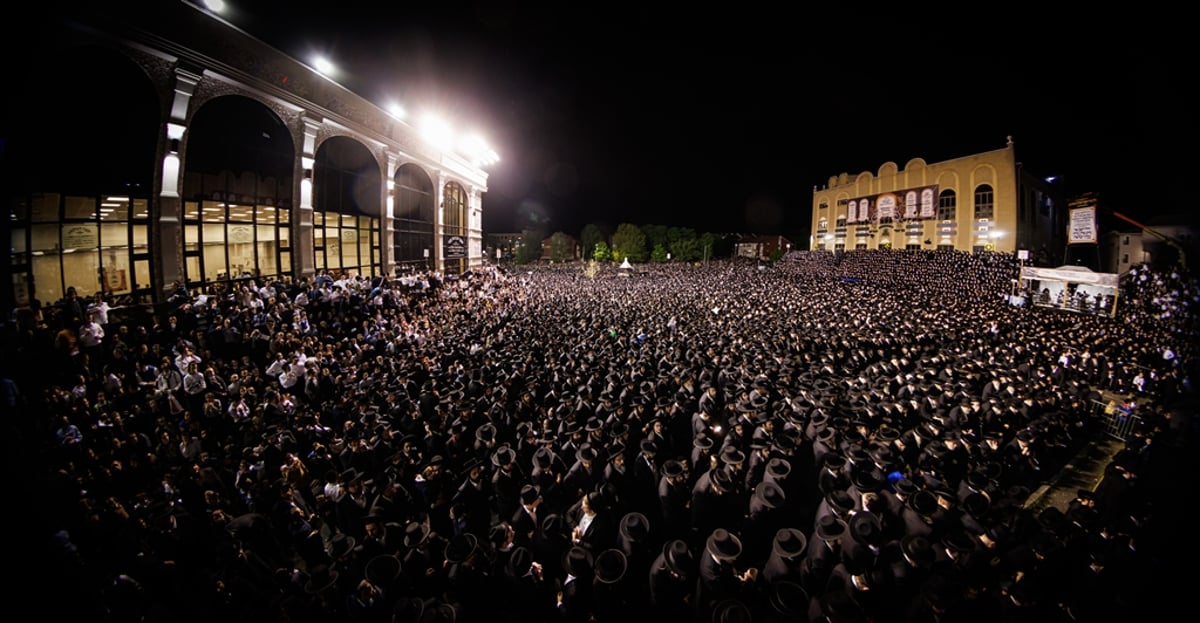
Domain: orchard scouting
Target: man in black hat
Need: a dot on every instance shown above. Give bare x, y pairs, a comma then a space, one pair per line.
472, 504
824, 551
715, 503
611, 594
525, 520
674, 501
585, 474
786, 556
673, 582
644, 474
720, 577
507, 480
575, 600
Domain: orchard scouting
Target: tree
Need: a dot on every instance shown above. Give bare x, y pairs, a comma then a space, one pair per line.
659, 254
560, 247
589, 237
602, 253
629, 242
530, 249
656, 235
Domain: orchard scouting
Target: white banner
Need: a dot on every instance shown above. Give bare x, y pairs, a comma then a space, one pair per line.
1082, 228
1071, 275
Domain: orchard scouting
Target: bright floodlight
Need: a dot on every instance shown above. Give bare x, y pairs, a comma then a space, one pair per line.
216, 6
475, 148
397, 111
437, 132
323, 65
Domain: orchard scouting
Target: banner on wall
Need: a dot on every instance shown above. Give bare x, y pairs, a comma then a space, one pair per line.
454, 247
913, 204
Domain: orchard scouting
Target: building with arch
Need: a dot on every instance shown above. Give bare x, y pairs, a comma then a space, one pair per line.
151, 145
981, 202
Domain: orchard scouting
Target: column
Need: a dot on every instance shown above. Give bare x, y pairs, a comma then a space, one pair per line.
168, 265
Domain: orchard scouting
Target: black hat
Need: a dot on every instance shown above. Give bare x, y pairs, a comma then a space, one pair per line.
732, 456
958, 540
635, 527
586, 453
976, 504
530, 494
789, 600
543, 457
917, 550
672, 469
724, 545
840, 501
610, 566
504, 456
678, 557
830, 528
789, 543
461, 548
868, 480
409, 610
319, 579
866, 528
923, 502
415, 533
648, 446
702, 441
486, 432
905, 486
769, 494
341, 545
382, 570
519, 561
577, 561
777, 469
731, 611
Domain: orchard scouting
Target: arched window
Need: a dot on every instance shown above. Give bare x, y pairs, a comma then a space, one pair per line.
346, 209
412, 225
237, 219
947, 205
454, 241
984, 202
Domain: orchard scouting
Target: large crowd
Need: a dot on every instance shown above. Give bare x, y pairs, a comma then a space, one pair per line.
850, 437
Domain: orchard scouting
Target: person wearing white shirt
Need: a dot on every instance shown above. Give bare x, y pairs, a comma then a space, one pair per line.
100, 308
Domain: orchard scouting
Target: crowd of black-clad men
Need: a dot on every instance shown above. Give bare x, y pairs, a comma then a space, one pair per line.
841, 438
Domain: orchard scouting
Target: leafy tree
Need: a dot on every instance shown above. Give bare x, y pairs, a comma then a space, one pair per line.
602, 253
588, 237
629, 242
686, 249
776, 255
560, 247
530, 249
659, 254
656, 235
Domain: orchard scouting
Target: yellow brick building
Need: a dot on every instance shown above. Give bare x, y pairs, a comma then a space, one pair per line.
981, 202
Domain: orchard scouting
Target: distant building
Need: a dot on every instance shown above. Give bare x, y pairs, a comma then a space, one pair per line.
980, 202
1165, 240
761, 247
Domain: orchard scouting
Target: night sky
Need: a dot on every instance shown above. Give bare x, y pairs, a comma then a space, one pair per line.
725, 120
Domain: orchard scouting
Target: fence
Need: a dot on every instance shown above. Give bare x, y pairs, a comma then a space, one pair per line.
1115, 419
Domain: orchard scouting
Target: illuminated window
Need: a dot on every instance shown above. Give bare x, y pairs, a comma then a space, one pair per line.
984, 202
947, 205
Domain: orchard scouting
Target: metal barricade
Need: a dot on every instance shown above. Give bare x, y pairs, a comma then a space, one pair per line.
1115, 420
